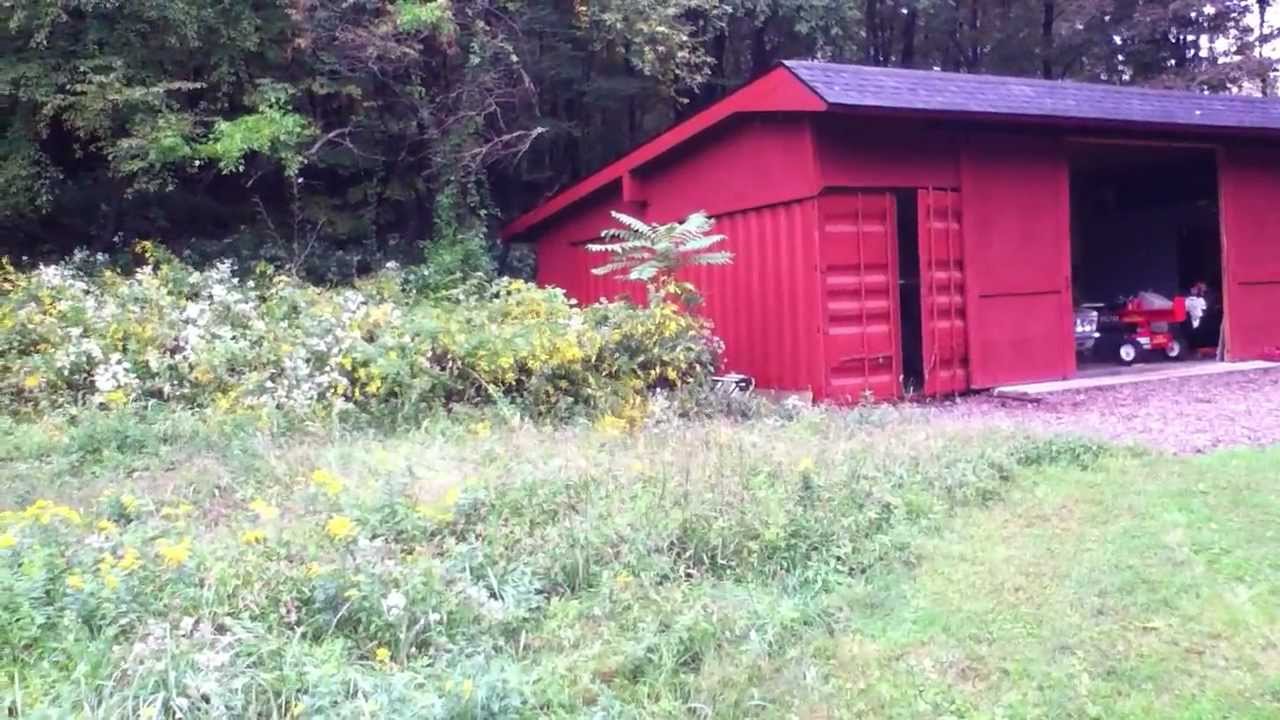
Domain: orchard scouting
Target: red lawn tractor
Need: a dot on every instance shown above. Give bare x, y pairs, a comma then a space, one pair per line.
1149, 323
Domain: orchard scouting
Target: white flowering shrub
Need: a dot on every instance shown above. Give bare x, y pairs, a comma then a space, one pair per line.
82, 333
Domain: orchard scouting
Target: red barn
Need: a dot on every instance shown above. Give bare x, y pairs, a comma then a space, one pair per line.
937, 229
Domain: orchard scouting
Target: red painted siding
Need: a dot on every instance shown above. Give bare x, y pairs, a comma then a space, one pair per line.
859, 294
563, 262
586, 219
756, 161
856, 152
568, 266
942, 292
1016, 209
765, 305
1249, 187
720, 177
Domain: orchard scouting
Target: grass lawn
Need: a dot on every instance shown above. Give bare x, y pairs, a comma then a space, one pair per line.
1138, 589
817, 565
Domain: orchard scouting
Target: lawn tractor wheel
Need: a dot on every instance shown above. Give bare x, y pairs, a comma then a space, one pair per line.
1177, 348
1129, 352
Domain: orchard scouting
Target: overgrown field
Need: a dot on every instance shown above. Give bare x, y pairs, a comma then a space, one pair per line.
235, 495
157, 564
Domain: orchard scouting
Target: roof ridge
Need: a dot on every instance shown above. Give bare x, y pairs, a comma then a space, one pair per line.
933, 91
994, 78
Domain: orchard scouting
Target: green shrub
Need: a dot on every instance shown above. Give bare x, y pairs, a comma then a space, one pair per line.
82, 334
655, 253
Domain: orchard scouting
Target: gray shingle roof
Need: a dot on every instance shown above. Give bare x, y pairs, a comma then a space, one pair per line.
892, 88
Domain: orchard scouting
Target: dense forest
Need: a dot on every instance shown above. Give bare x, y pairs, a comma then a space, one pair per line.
330, 137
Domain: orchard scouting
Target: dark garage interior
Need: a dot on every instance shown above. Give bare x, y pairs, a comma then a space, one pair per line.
1146, 218
909, 301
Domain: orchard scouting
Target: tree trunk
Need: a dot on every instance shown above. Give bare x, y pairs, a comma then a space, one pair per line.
1047, 40
870, 21
760, 60
975, 37
955, 49
1266, 80
714, 87
111, 224
908, 58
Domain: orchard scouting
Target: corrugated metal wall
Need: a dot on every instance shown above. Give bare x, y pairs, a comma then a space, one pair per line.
859, 296
565, 263
765, 305
942, 280
568, 265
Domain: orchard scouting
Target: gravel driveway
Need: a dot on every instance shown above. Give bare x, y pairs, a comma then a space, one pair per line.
1185, 415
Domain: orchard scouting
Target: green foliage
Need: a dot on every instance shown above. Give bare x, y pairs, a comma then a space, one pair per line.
82, 334
656, 37
128, 82
272, 130
338, 126
449, 265
416, 15
26, 176
158, 144
337, 122
470, 569
458, 253
654, 254
163, 143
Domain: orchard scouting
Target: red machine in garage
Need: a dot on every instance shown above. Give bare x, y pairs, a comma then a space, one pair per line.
1151, 323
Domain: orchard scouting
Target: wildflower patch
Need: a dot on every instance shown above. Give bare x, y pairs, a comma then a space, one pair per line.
82, 334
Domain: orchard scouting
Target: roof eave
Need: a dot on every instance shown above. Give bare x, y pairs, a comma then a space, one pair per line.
1058, 121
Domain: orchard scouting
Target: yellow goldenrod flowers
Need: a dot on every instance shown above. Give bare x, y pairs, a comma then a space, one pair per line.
327, 482
130, 560
340, 527
265, 511
173, 554
45, 512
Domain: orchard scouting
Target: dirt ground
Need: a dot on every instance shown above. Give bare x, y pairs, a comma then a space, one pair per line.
1187, 415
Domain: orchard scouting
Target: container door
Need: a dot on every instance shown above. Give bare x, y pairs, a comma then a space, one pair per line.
1017, 253
1249, 191
859, 286
946, 347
